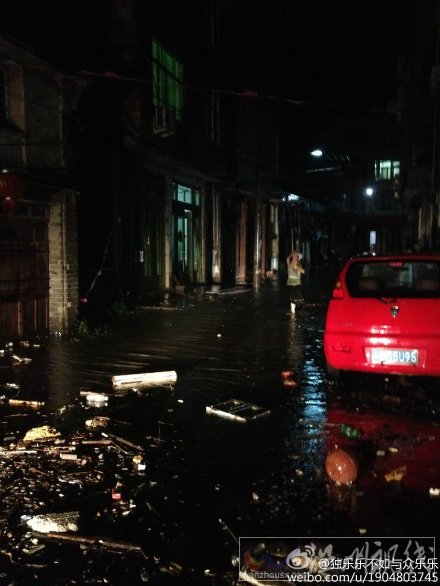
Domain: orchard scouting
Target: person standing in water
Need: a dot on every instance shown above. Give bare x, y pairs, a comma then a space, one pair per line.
294, 272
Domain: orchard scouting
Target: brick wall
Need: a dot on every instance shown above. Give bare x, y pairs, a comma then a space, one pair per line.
63, 263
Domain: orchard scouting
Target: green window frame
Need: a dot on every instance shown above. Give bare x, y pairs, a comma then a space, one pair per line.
167, 80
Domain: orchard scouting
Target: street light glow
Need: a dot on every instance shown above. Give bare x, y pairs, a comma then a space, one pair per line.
316, 153
369, 191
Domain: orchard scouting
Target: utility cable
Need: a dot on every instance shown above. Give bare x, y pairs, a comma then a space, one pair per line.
84, 299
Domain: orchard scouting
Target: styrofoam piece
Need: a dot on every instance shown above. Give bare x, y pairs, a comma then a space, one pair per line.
145, 379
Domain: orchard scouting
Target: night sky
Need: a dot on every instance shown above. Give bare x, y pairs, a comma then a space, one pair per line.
339, 51
338, 57
345, 50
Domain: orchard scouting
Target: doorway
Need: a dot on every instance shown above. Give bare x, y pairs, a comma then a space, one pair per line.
185, 251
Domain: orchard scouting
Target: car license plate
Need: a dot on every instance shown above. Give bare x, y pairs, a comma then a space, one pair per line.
394, 356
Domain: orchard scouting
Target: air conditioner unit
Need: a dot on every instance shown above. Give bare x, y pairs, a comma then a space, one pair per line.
164, 121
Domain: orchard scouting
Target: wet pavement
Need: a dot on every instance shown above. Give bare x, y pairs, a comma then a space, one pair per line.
165, 486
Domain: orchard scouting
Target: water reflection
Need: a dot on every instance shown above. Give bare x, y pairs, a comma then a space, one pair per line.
264, 477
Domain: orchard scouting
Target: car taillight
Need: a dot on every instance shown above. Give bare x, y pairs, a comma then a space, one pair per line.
338, 293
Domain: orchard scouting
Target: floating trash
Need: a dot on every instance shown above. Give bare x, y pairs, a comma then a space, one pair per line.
44, 432
21, 360
145, 379
237, 410
96, 399
97, 421
288, 382
349, 432
24, 403
341, 467
287, 378
396, 475
55, 522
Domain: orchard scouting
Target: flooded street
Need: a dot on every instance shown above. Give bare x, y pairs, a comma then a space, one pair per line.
208, 479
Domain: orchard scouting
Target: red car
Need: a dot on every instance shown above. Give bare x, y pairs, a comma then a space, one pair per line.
384, 316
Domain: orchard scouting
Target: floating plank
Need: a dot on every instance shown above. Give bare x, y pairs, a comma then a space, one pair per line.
145, 379
92, 541
24, 403
237, 410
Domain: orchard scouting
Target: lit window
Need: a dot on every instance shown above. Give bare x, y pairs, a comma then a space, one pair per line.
386, 170
167, 80
186, 195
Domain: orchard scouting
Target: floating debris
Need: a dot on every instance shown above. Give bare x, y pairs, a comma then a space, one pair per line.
341, 467
98, 421
107, 543
287, 378
349, 432
54, 522
396, 475
21, 360
13, 386
96, 399
44, 432
28, 344
237, 410
145, 379
288, 382
24, 403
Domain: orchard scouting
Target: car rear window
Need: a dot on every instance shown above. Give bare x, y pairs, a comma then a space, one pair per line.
394, 278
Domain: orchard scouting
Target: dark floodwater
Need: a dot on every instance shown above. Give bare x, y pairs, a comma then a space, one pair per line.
261, 478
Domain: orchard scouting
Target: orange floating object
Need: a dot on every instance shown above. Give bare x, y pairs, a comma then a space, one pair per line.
341, 467
288, 382
287, 374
